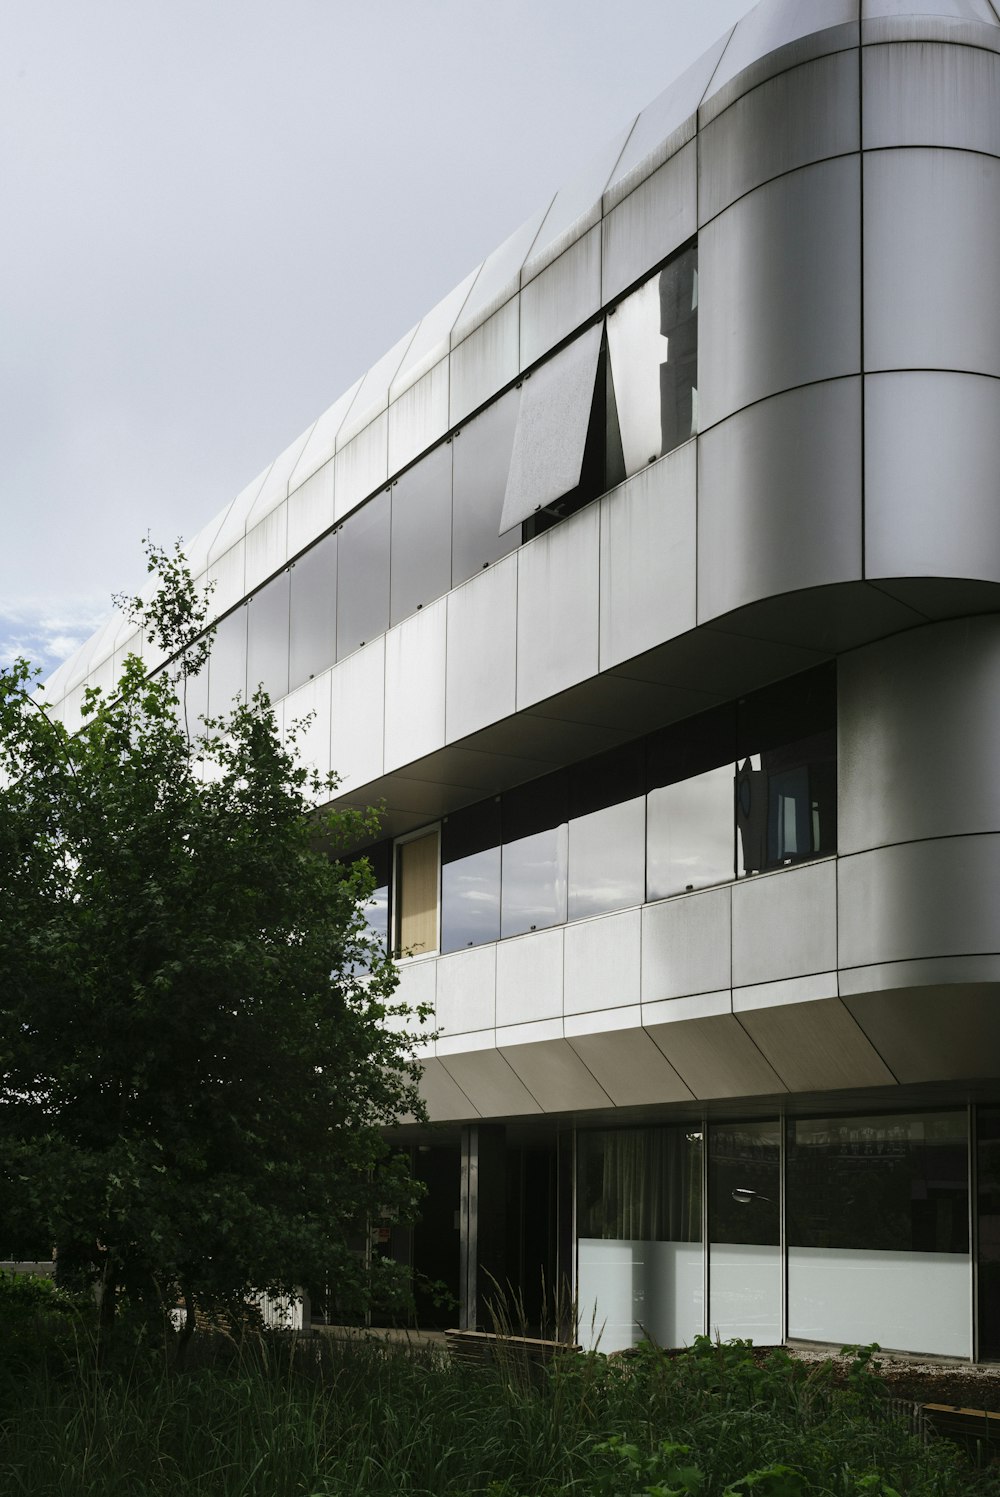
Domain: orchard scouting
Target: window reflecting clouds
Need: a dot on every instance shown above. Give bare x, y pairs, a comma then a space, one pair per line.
690, 833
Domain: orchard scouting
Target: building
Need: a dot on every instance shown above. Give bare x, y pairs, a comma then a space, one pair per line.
652, 582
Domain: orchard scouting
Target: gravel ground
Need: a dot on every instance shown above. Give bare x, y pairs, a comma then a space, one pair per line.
967, 1385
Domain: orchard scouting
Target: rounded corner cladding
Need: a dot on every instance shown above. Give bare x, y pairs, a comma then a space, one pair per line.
918, 721
779, 497
780, 288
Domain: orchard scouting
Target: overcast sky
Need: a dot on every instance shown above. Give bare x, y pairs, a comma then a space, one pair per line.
216, 214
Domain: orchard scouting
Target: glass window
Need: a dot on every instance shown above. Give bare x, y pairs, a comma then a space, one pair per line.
313, 612
533, 863
689, 834
744, 1226
420, 569
988, 1205
377, 909
606, 853
227, 666
267, 638
470, 876
653, 342
363, 575
481, 453
417, 883
895, 1183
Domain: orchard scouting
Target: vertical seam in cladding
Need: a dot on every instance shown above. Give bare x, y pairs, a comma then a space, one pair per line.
861, 291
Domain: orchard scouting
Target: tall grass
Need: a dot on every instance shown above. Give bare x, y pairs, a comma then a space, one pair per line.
315, 1418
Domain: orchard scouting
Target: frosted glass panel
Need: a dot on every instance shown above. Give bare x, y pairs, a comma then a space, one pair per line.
635, 1291
744, 1292
904, 1301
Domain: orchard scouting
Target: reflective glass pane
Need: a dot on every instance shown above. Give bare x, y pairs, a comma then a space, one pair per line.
606, 859
744, 1265
786, 803
363, 576
640, 1263
420, 569
689, 833
988, 1206
533, 882
470, 876
313, 612
227, 668
267, 638
481, 453
653, 340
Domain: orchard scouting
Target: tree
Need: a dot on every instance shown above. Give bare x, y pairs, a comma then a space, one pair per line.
199, 1048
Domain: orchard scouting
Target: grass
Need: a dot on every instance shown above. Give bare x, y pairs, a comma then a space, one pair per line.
272, 1418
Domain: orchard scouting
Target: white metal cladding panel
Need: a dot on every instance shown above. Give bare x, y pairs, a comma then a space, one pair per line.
660, 214
932, 454
816, 1046
629, 1067
414, 686
648, 557
499, 277
577, 205
779, 497
557, 607
785, 924
716, 1057
780, 288
361, 466
228, 573
485, 361
233, 522
530, 977
358, 715
671, 111
486, 1076
602, 962
444, 1098
919, 899
770, 26
322, 443
926, 93
686, 945
967, 10
373, 391
917, 711
466, 990
311, 700
482, 649
932, 246
310, 509
931, 1032
800, 116
563, 296
267, 547
418, 417
556, 1076
432, 338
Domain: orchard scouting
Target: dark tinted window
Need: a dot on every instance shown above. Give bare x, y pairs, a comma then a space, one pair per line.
363, 576
313, 612
420, 569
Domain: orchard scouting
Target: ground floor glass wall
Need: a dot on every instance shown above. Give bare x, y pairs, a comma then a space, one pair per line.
845, 1229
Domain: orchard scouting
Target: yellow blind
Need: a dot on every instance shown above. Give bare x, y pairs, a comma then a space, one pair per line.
418, 894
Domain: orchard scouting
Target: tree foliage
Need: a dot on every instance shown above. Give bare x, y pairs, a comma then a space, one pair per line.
199, 1047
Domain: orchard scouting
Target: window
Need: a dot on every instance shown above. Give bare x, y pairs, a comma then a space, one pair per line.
470, 876
417, 883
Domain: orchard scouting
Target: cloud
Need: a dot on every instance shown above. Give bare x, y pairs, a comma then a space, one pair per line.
46, 632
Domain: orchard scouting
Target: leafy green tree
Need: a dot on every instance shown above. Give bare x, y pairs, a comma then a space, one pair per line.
199, 1048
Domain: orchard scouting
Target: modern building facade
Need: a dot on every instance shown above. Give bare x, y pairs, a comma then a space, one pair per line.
652, 582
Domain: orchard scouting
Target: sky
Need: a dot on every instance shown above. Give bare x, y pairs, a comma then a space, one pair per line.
217, 214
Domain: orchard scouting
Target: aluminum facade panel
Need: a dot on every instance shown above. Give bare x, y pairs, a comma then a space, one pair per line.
266, 547
557, 608
816, 1047
373, 391
687, 945
443, 1097
482, 650
935, 1033
432, 338
647, 226
932, 245
419, 417
927, 94
498, 278
800, 116
322, 443
918, 724
554, 1074
601, 963
312, 738
716, 1057
414, 686
628, 1066
530, 977
486, 1076
919, 899
779, 288
361, 466
466, 990
648, 557
768, 27
577, 205
358, 716
932, 444
779, 498
485, 361
310, 509
785, 924
664, 117
563, 296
